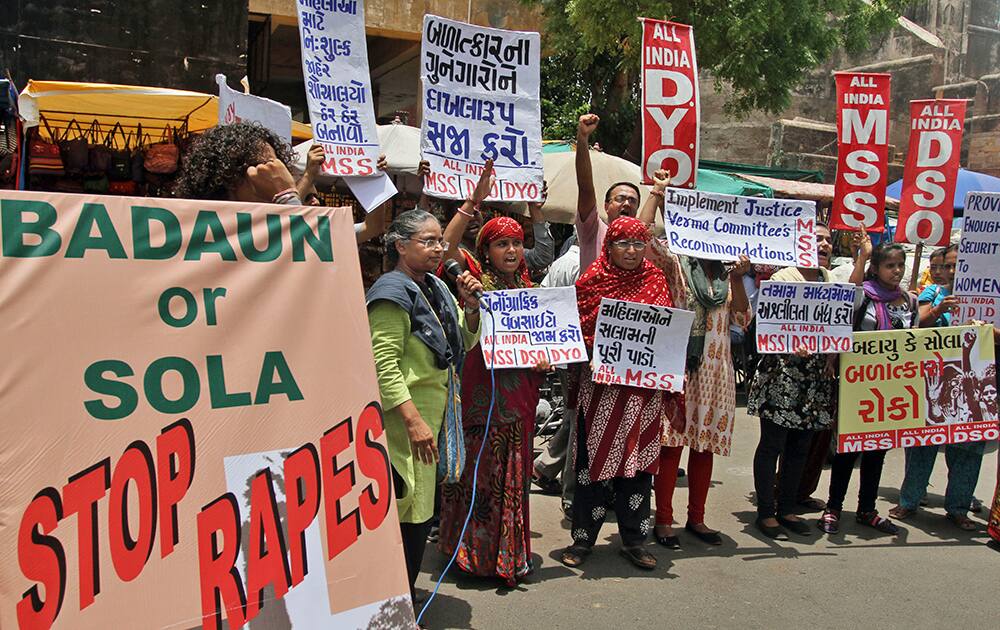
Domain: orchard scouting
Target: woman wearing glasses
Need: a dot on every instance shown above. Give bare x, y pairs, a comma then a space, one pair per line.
419, 337
618, 426
497, 541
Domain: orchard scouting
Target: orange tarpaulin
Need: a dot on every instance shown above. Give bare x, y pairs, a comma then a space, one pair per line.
154, 108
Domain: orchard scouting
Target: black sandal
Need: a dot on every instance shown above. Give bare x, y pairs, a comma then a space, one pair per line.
711, 538
670, 542
799, 527
639, 557
574, 555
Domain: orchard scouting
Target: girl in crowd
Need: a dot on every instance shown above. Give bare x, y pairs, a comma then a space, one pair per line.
703, 419
618, 427
794, 396
964, 460
885, 306
498, 538
419, 338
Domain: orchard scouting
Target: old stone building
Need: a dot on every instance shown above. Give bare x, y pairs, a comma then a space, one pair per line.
946, 48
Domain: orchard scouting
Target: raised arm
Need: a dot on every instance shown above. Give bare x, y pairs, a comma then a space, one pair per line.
375, 223
456, 227
654, 201
314, 160
544, 252
586, 200
861, 243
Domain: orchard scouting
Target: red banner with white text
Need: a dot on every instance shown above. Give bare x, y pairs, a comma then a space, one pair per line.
862, 151
926, 206
671, 111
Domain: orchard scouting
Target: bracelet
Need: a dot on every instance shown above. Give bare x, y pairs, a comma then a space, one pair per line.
468, 214
284, 193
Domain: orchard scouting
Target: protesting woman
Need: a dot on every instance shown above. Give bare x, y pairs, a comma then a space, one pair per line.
885, 306
419, 338
497, 539
937, 305
794, 396
618, 426
703, 418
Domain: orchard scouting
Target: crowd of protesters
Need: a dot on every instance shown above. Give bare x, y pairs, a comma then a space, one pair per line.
617, 446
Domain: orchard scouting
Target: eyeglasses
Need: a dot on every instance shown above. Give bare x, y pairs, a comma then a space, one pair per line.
624, 245
431, 243
625, 198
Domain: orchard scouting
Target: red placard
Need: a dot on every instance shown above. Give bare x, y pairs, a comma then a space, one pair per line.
926, 207
862, 151
671, 111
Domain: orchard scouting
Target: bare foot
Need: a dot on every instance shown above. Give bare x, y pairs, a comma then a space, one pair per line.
701, 528
664, 530
769, 522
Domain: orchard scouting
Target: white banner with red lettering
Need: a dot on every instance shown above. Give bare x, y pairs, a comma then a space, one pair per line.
862, 151
926, 206
671, 111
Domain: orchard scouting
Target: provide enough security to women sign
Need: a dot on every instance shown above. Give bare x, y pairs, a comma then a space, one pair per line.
187, 442
527, 326
641, 345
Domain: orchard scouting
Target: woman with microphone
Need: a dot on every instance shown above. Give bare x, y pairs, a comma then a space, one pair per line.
497, 540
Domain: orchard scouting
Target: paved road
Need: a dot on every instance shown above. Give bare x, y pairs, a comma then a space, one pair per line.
929, 576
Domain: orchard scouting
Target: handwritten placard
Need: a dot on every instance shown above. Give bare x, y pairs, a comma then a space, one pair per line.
481, 100
641, 345
528, 326
817, 316
338, 85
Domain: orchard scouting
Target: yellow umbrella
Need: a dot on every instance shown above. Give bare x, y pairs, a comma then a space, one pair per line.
153, 108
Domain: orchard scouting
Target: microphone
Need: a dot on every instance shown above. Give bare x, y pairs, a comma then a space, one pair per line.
453, 269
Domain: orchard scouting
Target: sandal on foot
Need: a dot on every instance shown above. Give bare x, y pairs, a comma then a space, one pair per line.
962, 522
549, 487
670, 542
901, 513
639, 557
873, 520
829, 522
709, 537
799, 527
574, 555
770, 531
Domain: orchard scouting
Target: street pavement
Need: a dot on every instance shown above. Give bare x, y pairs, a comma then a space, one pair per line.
931, 575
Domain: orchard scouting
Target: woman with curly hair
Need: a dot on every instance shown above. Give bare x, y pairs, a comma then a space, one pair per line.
497, 541
239, 162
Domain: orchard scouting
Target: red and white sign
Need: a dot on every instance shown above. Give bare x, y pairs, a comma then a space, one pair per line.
670, 107
862, 151
926, 207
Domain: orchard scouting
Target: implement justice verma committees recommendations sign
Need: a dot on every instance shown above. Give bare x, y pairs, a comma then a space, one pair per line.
723, 227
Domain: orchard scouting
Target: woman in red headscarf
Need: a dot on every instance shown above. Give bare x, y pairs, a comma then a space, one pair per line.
618, 426
497, 540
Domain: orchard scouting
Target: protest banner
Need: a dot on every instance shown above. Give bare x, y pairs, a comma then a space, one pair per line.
722, 227
862, 151
186, 439
926, 206
481, 100
671, 108
238, 107
526, 326
338, 85
917, 387
977, 272
641, 345
817, 316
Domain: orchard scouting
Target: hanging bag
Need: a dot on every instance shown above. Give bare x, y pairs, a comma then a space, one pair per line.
139, 155
162, 157
74, 149
100, 152
44, 158
121, 159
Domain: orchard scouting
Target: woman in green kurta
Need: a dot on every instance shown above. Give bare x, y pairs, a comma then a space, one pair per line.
419, 338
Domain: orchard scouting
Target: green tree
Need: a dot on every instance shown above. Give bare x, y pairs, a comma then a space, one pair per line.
759, 49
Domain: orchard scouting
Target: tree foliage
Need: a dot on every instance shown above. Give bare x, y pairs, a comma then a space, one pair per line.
759, 49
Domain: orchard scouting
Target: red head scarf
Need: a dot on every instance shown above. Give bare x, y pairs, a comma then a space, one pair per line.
646, 284
497, 228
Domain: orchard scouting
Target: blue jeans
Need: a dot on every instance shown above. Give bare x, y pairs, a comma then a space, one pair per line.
964, 462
